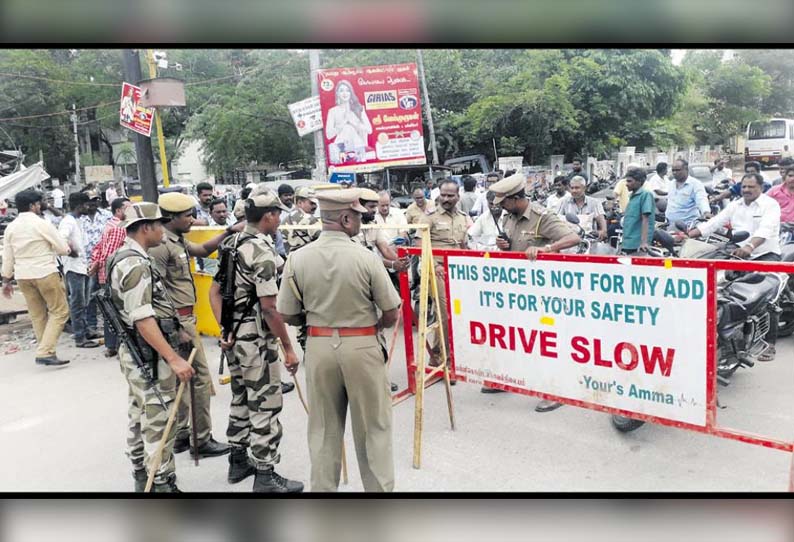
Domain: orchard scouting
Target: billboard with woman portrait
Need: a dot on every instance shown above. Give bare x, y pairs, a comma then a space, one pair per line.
372, 117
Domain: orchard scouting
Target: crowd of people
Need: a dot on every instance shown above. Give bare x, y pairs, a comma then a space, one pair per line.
286, 259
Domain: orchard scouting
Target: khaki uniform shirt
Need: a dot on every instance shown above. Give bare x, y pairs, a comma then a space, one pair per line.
172, 261
413, 213
447, 229
535, 228
297, 238
134, 290
337, 283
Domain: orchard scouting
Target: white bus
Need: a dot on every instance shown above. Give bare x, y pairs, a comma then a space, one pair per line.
769, 141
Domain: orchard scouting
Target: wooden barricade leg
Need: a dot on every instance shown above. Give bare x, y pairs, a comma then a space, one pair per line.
428, 285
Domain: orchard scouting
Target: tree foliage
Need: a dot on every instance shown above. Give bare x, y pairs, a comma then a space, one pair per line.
530, 102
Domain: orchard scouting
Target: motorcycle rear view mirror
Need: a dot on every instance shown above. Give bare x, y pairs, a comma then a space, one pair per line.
572, 218
661, 205
739, 236
611, 197
680, 225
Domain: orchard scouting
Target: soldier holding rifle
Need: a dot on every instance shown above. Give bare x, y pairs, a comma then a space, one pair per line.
135, 299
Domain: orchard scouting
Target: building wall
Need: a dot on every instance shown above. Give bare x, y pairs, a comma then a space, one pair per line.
189, 168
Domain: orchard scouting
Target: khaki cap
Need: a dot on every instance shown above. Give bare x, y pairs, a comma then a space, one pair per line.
339, 200
142, 211
367, 194
306, 192
176, 202
239, 209
266, 198
507, 187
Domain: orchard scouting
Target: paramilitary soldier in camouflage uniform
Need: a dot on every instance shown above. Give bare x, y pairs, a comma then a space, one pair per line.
340, 287
448, 228
172, 260
144, 307
250, 341
303, 215
531, 229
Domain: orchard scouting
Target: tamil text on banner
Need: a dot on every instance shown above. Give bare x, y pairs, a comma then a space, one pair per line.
629, 337
372, 117
131, 114
306, 115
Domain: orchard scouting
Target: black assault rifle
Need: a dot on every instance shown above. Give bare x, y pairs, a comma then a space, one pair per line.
226, 276
113, 318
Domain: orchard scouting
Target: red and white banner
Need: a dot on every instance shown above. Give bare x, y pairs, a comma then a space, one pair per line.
372, 117
131, 114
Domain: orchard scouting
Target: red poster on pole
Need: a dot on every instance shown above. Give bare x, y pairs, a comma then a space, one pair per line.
131, 114
372, 117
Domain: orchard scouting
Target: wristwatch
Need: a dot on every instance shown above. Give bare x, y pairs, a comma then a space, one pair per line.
548, 248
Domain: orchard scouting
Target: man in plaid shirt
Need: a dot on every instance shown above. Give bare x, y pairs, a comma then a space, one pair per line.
112, 238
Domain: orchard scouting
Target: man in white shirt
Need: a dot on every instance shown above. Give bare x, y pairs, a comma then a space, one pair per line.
57, 194
75, 269
657, 183
390, 215
29, 256
111, 193
481, 205
719, 172
560, 187
759, 215
483, 233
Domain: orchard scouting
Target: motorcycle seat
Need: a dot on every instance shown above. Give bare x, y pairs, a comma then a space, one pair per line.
753, 297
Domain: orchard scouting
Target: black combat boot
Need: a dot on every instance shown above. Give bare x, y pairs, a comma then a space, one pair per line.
181, 444
169, 486
240, 465
140, 480
268, 481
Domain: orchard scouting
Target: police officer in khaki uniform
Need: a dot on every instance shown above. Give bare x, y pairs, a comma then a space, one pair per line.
448, 228
337, 288
140, 300
172, 260
531, 229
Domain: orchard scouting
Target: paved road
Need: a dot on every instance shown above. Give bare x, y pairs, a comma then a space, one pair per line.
63, 429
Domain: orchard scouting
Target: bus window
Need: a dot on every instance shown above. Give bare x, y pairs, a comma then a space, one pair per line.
775, 129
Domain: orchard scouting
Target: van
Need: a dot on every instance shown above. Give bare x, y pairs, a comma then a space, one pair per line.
769, 141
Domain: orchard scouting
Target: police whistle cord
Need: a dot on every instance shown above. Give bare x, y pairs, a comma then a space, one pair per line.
306, 408
158, 456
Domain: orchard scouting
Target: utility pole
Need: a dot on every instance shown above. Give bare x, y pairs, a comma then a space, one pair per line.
158, 122
428, 113
76, 147
143, 145
319, 144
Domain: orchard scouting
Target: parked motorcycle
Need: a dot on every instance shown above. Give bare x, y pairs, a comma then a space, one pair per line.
744, 301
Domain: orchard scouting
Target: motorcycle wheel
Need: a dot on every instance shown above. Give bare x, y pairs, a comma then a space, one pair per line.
626, 425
